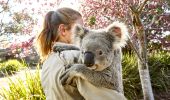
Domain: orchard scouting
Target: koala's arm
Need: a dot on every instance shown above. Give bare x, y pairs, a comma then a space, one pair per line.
58, 47
97, 78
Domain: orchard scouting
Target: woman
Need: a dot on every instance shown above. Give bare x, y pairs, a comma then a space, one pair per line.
57, 28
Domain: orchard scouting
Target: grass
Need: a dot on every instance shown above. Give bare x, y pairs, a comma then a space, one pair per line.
160, 71
28, 89
131, 79
11, 66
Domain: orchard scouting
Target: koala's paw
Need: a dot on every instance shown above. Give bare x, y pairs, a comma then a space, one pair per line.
58, 48
68, 75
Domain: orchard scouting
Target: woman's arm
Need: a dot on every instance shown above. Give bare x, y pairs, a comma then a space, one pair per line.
52, 69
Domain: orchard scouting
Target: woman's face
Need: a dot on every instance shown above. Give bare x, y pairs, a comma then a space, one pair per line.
69, 33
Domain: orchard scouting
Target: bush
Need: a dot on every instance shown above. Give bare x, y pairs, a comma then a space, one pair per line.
159, 72
131, 79
29, 89
11, 66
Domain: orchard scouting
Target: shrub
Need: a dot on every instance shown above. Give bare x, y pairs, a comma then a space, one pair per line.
11, 66
159, 72
131, 79
29, 89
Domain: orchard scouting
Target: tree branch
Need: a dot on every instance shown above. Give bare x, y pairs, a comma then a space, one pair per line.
108, 18
136, 51
142, 5
152, 21
4, 9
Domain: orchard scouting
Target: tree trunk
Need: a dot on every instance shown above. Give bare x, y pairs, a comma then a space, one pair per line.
143, 61
145, 77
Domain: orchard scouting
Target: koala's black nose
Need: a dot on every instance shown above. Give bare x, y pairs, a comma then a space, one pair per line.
88, 59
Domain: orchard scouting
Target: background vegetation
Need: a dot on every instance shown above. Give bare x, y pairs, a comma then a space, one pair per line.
159, 67
11, 66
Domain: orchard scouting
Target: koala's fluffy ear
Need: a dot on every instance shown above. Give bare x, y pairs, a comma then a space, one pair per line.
79, 31
120, 32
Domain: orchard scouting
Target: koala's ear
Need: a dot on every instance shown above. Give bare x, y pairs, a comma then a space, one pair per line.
79, 31
120, 33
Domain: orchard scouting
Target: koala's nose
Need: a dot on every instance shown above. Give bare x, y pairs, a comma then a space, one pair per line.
88, 59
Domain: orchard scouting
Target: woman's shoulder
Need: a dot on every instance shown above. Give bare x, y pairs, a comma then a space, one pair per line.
67, 55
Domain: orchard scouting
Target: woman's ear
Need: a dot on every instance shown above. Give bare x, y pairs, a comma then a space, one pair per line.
62, 29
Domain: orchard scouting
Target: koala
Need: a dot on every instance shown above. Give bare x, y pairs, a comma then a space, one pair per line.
95, 62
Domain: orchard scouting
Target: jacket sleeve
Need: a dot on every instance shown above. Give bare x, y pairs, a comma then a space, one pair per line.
52, 68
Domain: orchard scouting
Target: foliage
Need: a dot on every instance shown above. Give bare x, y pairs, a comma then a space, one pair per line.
159, 73
20, 89
20, 18
11, 66
19, 22
160, 68
131, 79
14, 21
155, 17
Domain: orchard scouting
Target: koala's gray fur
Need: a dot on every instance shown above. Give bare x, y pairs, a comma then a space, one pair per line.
96, 61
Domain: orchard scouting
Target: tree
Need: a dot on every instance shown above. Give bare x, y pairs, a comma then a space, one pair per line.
155, 17
19, 22
141, 17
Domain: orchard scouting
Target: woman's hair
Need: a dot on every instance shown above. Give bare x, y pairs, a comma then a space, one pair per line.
49, 33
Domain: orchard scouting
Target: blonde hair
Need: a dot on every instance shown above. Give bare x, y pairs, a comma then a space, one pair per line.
49, 33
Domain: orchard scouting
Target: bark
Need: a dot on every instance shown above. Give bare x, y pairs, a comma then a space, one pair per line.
143, 65
142, 51
145, 81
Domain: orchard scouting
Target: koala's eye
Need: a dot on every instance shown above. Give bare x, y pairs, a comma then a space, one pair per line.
100, 52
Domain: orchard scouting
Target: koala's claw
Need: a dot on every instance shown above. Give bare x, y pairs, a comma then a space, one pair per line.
67, 66
64, 77
58, 49
69, 74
